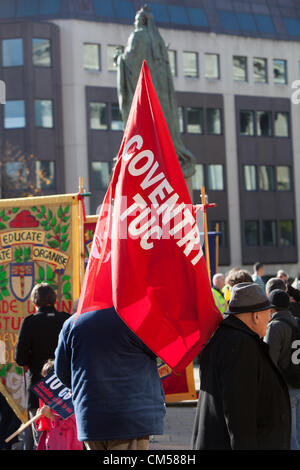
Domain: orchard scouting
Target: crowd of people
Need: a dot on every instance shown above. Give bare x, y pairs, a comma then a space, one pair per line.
249, 395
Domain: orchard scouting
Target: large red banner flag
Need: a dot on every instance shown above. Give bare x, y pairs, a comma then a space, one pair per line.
146, 258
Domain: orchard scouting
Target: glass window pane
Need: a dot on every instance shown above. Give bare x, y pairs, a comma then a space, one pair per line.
211, 66
283, 178
269, 232
246, 122
280, 71
27, 7
265, 24
198, 177
98, 115
14, 114
100, 175
173, 62
50, 8
251, 228
247, 22
112, 52
43, 113
45, 174
190, 64
91, 56
194, 120
264, 123
215, 177
260, 70
41, 52
286, 232
12, 52
250, 178
266, 178
116, 118
213, 121
16, 175
281, 124
181, 119
240, 68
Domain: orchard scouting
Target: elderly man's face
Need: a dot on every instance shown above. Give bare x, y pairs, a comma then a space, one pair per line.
262, 320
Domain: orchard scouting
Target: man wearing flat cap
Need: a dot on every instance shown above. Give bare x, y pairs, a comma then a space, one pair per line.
243, 399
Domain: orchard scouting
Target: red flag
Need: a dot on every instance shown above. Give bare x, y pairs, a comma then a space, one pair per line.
146, 258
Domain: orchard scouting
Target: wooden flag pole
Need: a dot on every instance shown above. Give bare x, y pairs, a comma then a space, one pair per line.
206, 244
217, 248
24, 426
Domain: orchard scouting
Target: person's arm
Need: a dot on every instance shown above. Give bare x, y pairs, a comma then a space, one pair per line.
274, 340
23, 347
62, 363
238, 375
295, 293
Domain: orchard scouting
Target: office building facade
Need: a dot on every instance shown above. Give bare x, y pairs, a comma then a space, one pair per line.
234, 65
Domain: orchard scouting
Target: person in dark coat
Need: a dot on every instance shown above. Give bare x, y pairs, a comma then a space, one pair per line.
243, 400
116, 389
37, 340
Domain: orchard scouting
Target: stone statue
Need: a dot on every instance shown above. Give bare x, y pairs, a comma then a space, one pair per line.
146, 43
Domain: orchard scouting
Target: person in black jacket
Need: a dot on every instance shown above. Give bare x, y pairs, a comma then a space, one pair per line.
243, 399
37, 340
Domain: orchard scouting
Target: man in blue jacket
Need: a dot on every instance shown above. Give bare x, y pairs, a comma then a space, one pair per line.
117, 393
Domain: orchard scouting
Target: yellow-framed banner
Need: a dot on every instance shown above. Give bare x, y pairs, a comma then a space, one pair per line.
41, 239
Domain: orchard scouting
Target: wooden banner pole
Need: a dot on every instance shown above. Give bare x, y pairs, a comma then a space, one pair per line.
24, 426
206, 244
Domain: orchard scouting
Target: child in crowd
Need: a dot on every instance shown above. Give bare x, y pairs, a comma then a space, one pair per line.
56, 433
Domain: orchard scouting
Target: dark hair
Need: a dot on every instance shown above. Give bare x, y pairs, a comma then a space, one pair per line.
43, 295
275, 283
47, 367
236, 277
257, 266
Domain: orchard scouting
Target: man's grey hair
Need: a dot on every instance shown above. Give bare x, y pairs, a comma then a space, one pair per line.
274, 283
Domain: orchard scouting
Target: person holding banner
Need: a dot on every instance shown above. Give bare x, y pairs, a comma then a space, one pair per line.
117, 393
56, 433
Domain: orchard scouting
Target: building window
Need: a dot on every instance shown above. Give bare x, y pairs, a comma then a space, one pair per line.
264, 123
246, 122
112, 52
194, 120
198, 177
280, 71
41, 52
14, 114
251, 231
17, 174
269, 232
213, 121
100, 175
212, 66
116, 118
43, 113
216, 177
12, 52
281, 124
250, 178
260, 70
45, 174
181, 119
286, 232
190, 64
240, 73
98, 116
283, 178
173, 62
91, 56
266, 178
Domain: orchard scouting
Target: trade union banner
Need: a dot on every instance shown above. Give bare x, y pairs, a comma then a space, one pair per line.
146, 258
39, 242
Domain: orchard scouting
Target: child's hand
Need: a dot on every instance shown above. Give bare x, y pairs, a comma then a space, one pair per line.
46, 411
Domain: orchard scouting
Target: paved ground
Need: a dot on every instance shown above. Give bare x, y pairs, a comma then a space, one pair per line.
178, 428
179, 422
